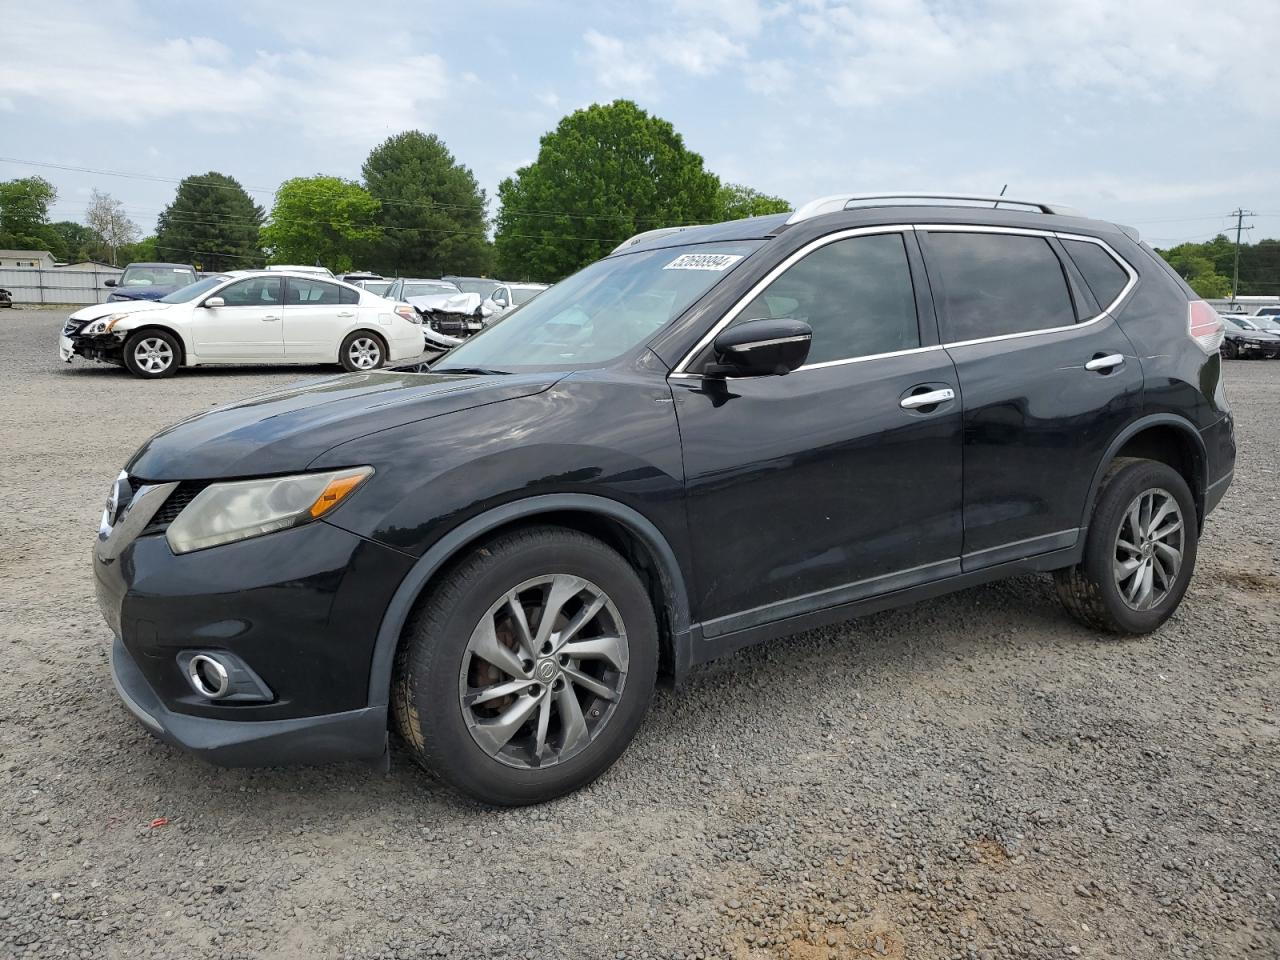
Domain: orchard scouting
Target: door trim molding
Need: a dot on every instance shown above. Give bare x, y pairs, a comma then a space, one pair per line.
1019, 549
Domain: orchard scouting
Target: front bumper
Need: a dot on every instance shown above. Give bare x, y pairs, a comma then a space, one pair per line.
1255, 348
351, 735
300, 607
107, 348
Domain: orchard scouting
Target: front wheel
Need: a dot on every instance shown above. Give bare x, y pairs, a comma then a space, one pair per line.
1229, 350
528, 669
1140, 552
152, 354
362, 351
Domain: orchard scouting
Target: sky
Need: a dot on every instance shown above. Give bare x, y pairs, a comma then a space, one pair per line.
1157, 113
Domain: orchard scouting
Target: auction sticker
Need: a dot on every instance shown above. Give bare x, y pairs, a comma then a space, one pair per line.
703, 261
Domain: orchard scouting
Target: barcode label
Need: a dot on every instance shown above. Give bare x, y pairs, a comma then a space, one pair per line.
703, 261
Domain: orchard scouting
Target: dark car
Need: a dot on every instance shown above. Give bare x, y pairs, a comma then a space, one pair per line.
710, 438
150, 281
1250, 337
6, 298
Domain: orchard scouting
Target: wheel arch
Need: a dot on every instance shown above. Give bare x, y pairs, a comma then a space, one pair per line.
1163, 437
183, 346
625, 529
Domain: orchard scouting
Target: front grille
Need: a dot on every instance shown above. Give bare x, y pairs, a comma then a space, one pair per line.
182, 495
73, 327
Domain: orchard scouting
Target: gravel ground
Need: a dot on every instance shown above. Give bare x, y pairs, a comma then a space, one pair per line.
973, 777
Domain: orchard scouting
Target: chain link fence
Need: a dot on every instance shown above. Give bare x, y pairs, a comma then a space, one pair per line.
61, 285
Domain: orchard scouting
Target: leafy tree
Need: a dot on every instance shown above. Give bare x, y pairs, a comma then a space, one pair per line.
24, 213
433, 211
1197, 263
106, 218
606, 172
735, 202
211, 223
321, 220
75, 241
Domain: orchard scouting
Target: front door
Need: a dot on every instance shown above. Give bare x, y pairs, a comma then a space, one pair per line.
1048, 379
247, 327
828, 484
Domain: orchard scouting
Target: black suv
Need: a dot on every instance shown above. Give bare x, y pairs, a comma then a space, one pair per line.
713, 437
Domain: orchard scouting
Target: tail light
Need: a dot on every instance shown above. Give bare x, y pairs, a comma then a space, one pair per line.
1205, 326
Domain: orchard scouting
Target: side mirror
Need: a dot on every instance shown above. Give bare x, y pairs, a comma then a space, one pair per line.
760, 348
111, 282
214, 302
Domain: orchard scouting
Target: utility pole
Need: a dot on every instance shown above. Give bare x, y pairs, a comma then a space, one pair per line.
1239, 213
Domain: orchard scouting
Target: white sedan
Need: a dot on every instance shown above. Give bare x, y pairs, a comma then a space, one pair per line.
246, 316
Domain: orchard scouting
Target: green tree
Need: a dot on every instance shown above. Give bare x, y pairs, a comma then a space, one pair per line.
1197, 263
606, 172
321, 220
211, 223
75, 241
433, 211
24, 213
735, 202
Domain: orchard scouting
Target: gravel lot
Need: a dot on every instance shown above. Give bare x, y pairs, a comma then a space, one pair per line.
973, 777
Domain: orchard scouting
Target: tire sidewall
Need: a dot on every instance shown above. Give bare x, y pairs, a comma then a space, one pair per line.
131, 344
449, 747
1107, 517
345, 360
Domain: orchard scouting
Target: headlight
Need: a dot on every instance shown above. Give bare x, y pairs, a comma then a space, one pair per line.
224, 512
408, 313
105, 325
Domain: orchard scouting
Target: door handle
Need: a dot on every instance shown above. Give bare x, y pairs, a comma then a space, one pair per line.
346, 313
930, 399
269, 318
1109, 362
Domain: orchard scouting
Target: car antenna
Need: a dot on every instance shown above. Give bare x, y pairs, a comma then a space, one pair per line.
1002, 190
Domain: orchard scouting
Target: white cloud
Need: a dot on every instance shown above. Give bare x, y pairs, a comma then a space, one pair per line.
200, 78
618, 67
769, 78
883, 50
700, 52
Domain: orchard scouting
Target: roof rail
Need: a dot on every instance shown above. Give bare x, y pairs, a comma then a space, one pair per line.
842, 201
646, 235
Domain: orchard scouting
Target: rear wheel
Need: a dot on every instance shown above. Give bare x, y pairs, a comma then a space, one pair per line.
528, 669
362, 351
1229, 350
1140, 552
152, 354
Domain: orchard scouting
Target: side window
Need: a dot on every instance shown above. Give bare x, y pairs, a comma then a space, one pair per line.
1105, 277
856, 294
348, 297
254, 292
313, 293
996, 284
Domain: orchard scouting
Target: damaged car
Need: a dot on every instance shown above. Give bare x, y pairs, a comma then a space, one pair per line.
449, 315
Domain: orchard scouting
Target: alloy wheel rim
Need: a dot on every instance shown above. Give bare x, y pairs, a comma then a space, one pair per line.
543, 671
1149, 549
153, 355
364, 353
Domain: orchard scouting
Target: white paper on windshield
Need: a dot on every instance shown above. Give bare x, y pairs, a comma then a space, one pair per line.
703, 261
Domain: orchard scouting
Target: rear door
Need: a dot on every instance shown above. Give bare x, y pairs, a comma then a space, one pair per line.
317, 314
828, 484
1047, 380
246, 327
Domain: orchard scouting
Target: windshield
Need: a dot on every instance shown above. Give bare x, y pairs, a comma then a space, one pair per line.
157, 277
427, 289
199, 288
482, 287
523, 295
603, 311
1268, 323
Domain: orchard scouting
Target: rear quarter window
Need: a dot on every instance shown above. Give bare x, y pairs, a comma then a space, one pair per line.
1105, 277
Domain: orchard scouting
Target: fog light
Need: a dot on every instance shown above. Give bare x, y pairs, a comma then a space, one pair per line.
208, 676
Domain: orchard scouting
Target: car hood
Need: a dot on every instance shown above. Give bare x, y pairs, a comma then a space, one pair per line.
285, 430
147, 293
447, 302
100, 310
1257, 335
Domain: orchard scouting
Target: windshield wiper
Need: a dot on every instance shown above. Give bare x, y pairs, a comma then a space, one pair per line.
482, 371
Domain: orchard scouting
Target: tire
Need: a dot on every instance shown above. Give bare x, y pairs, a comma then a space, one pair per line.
1095, 591
152, 354
439, 671
1229, 350
362, 351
